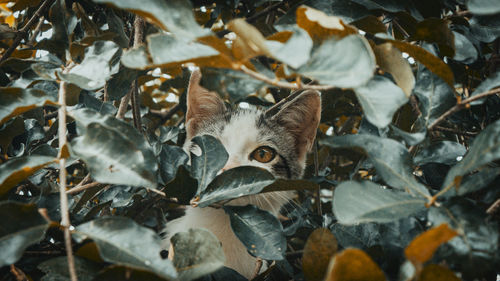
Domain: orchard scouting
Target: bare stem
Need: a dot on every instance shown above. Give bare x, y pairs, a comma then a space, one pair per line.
462, 105
122, 109
77, 189
23, 32
65, 222
282, 84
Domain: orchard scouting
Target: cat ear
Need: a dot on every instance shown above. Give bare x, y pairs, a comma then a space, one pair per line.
301, 117
201, 104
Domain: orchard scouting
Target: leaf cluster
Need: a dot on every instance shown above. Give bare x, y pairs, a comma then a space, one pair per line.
402, 183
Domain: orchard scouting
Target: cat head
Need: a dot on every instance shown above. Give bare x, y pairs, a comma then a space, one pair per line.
276, 140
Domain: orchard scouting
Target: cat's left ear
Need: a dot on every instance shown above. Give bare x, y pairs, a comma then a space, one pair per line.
301, 117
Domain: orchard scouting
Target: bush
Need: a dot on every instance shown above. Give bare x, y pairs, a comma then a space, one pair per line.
402, 183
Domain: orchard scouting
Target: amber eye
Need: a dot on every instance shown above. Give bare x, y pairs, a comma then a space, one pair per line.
263, 154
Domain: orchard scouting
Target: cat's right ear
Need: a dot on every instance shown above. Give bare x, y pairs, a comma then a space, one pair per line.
201, 104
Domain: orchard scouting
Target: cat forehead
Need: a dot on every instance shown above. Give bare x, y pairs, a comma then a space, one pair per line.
242, 129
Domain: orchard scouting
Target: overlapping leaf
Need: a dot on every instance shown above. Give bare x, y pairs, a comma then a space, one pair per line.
113, 150
15, 101
358, 202
122, 241
20, 227
208, 161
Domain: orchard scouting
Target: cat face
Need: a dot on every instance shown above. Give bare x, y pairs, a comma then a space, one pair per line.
276, 141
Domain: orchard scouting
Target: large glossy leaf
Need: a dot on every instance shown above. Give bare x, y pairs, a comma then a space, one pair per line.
465, 51
390, 158
475, 182
345, 63
258, 230
96, 68
198, 252
380, 99
484, 149
358, 202
434, 95
15, 101
175, 16
21, 226
114, 151
122, 241
210, 160
234, 183
14, 171
491, 82
483, 7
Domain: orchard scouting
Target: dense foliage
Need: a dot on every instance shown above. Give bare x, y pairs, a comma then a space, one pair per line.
402, 184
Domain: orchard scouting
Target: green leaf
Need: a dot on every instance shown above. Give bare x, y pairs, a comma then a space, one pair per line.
483, 7
198, 252
21, 226
175, 16
114, 151
171, 157
490, 83
465, 51
359, 202
96, 68
15, 170
390, 158
183, 186
235, 84
122, 241
345, 63
444, 152
211, 159
484, 149
234, 183
434, 95
16, 101
137, 58
295, 52
119, 85
165, 49
380, 99
475, 182
9, 131
56, 269
258, 230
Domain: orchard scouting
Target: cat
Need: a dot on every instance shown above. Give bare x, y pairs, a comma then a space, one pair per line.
277, 140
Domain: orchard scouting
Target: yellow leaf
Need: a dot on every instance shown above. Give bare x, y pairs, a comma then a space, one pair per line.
422, 248
354, 265
321, 26
391, 60
320, 247
433, 63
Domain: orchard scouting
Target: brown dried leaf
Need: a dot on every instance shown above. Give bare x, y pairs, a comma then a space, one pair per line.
434, 272
422, 248
249, 42
353, 265
321, 26
319, 249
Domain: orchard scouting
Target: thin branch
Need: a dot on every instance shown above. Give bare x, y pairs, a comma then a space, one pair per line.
494, 208
65, 222
23, 32
461, 105
282, 84
122, 109
77, 189
139, 26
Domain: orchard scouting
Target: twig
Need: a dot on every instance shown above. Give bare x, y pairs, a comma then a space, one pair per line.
77, 189
165, 115
282, 84
264, 11
122, 109
456, 131
23, 32
65, 222
20, 276
494, 208
37, 30
139, 26
258, 267
316, 173
462, 104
